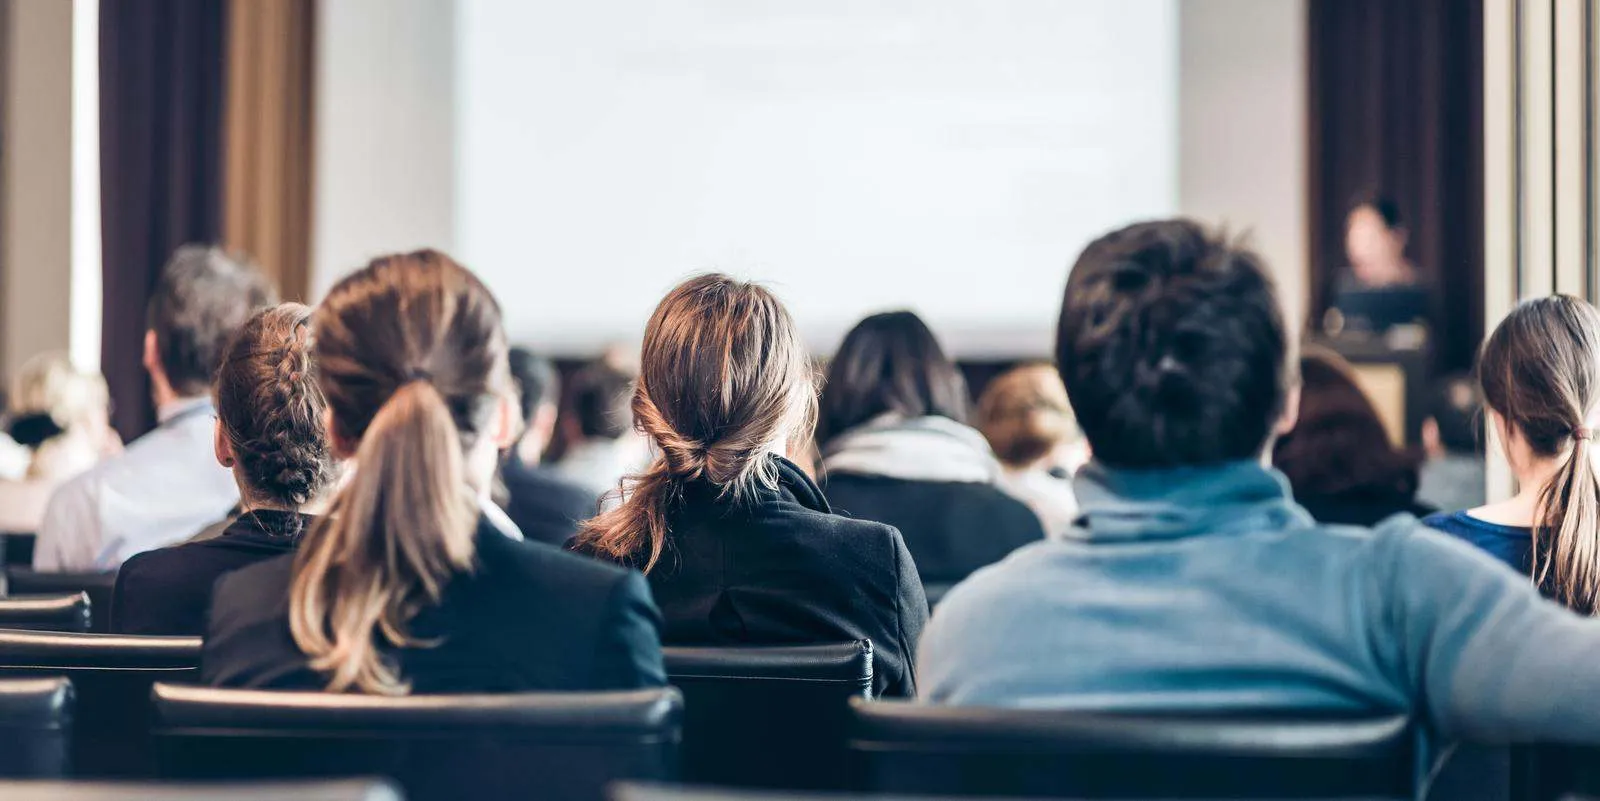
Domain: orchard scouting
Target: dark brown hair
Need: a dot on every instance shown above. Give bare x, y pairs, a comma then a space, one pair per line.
412, 359
203, 296
271, 408
1339, 445
600, 397
890, 362
722, 375
1540, 371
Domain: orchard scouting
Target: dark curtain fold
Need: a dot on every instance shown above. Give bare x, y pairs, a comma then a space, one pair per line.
1396, 106
161, 92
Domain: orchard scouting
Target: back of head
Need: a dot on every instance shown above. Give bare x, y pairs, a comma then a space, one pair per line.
203, 296
411, 357
1025, 415
601, 397
890, 363
1172, 348
723, 380
1456, 408
1540, 372
49, 397
536, 381
271, 409
1339, 444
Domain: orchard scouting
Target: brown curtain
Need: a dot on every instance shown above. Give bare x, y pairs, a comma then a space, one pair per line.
161, 67
1396, 106
267, 138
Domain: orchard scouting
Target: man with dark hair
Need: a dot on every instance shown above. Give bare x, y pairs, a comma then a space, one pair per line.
167, 484
602, 446
1192, 581
545, 506
1453, 477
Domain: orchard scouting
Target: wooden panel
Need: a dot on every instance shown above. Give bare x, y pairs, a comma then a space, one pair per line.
1570, 136
1536, 110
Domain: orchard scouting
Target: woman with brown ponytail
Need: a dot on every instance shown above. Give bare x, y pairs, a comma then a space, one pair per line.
1540, 372
406, 585
739, 545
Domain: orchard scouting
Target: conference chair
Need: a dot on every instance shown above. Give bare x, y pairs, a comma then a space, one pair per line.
35, 724
911, 748
344, 790
642, 791
16, 549
557, 746
64, 612
111, 677
769, 716
98, 586
1546, 772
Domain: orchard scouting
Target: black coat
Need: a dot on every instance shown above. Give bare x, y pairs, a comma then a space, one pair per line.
952, 528
168, 590
781, 568
547, 507
530, 617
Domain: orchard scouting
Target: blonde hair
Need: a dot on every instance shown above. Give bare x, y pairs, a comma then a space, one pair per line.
723, 375
1024, 413
411, 357
48, 385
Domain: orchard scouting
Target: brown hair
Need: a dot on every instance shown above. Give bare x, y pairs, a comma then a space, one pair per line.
412, 358
204, 294
271, 408
1025, 415
722, 375
1539, 373
1339, 444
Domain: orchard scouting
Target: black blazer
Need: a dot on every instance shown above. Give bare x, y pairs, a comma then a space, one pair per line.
781, 568
547, 507
530, 617
167, 590
952, 528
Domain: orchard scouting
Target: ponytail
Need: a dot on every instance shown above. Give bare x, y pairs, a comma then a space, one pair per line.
1566, 552
390, 543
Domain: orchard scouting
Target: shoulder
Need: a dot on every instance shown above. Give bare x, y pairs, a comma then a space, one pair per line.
528, 566
249, 586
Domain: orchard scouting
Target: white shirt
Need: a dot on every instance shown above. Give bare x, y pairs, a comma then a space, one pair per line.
166, 486
1049, 497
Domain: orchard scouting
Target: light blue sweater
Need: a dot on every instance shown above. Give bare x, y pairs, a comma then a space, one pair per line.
1209, 589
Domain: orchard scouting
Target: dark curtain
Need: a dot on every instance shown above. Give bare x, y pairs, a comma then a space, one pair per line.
161, 84
1396, 106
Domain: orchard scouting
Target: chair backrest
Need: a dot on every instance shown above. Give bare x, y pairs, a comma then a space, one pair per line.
769, 716
556, 746
35, 724
98, 586
111, 677
16, 549
916, 748
342, 790
63, 612
1548, 771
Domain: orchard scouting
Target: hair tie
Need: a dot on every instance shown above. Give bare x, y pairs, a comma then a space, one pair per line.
1582, 432
418, 374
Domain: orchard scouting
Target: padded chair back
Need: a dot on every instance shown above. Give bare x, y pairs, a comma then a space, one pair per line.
769, 717
347, 790
16, 549
98, 586
1547, 772
65, 612
111, 677
35, 724
556, 746
912, 748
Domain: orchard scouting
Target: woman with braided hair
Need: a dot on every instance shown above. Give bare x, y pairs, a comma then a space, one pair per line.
269, 433
739, 545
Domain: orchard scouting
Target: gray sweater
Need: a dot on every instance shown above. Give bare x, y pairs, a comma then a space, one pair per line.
1209, 589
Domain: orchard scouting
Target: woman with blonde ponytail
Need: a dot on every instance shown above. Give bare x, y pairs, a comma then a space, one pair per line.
407, 585
739, 544
1540, 372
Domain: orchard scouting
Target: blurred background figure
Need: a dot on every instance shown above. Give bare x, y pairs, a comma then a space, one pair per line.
602, 446
1453, 474
59, 415
1339, 459
1379, 291
545, 506
1025, 415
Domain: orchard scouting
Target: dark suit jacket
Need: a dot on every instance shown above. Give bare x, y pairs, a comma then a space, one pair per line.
530, 617
547, 507
952, 528
168, 590
781, 568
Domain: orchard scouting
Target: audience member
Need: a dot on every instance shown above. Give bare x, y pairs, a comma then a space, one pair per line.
740, 546
1339, 460
269, 432
167, 485
602, 445
896, 449
60, 415
542, 504
1025, 415
1453, 476
1196, 583
1540, 372
405, 584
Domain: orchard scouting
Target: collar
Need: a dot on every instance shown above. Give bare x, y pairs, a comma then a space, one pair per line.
1131, 505
178, 410
928, 448
793, 486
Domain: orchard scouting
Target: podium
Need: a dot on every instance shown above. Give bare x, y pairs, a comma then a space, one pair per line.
1394, 376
